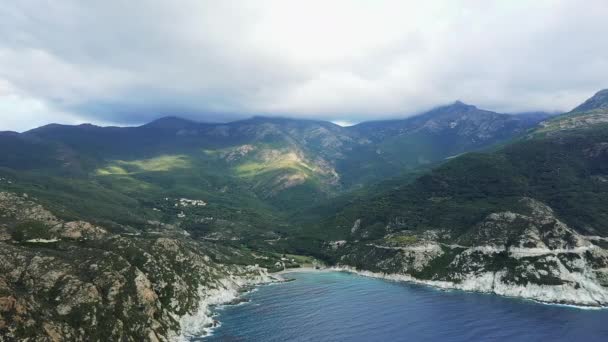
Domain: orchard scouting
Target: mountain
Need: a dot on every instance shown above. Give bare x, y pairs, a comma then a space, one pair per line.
275, 159
124, 232
76, 281
527, 220
589, 114
443, 132
22, 152
599, 101
260, 167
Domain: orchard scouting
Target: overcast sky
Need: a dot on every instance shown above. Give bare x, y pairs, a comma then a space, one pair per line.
128, 62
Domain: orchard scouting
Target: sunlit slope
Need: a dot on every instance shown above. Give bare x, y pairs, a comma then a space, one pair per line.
563, 164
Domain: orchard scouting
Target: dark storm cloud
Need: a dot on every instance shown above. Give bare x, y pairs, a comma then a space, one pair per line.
129, 62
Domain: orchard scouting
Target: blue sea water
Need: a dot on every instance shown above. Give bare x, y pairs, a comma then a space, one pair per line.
338, 306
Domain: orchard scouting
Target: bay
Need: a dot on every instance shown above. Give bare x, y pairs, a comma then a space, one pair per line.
339, 306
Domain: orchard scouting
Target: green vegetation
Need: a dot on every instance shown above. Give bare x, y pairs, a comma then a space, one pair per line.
160, 163
29, 230
185, 203
285, 165
402, 240
563, 170
283, 161
262, 179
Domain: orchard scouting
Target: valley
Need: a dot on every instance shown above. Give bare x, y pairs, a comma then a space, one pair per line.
140, 229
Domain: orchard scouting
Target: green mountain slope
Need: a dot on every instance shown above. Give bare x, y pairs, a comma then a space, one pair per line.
251, 174
564, 170
140, 229
443, 132
531, 212
73, 280
597, 101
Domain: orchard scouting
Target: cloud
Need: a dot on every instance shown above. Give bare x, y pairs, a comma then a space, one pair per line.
341, 60
20, 112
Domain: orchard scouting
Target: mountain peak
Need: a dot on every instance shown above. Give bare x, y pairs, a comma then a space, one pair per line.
456, 106
459, 103
171, 122
597, 101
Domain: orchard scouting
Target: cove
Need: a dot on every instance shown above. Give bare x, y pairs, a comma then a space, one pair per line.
339, 306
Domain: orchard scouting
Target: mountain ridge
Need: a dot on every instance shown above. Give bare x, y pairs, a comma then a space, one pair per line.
509, 221
598, 101
279, 156
180, 119
141, 229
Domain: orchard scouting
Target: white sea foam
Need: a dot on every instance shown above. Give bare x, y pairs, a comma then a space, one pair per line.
589, 295
202, 321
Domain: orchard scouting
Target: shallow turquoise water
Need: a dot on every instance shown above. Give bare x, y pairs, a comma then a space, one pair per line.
338, 306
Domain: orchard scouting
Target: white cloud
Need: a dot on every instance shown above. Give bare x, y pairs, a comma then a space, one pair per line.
341, 60
20, 112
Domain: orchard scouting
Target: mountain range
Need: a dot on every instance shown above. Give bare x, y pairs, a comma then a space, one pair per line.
457, 197
281, 163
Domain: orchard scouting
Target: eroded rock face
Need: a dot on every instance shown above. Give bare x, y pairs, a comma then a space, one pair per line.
79, 230
537, 228
592, 118
20, 208
89, 285
530, 254
237, 153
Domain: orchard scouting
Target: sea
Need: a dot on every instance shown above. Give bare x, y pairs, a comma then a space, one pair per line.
339, 306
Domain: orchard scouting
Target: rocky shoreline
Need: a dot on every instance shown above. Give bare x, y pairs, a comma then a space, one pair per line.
229, 292
538, 293
202, 323
529, 254
73, 280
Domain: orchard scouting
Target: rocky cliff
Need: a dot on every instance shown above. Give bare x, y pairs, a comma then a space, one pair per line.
528, 254
76, 281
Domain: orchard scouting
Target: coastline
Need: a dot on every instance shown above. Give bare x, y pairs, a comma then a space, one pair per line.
202, 323
537, 294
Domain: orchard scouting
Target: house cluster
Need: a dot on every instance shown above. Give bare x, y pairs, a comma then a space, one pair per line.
185, 202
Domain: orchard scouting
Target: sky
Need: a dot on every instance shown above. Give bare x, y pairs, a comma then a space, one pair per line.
129, 62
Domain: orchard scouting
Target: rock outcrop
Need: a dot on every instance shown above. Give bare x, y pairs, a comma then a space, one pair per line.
75, 281
529, 254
